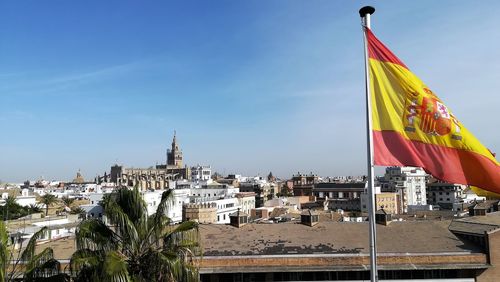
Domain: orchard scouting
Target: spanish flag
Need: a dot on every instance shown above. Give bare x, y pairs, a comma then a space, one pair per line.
413, 127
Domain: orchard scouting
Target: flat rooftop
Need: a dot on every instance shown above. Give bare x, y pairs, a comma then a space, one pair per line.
476, 225
331, 238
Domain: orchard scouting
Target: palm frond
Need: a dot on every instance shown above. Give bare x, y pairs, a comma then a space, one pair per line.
85, 258
164, 205
124, 225
135, 246
42, 267
94, 234
29, 252
132, 204
4, 251
115, 267
187, 230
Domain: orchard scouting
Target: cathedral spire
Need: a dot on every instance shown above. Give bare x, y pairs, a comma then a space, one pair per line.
174, 155
175, 147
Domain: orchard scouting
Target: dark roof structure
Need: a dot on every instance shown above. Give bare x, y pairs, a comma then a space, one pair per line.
340, 186
476, 225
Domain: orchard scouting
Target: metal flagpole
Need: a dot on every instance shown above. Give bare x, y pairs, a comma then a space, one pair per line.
365, 13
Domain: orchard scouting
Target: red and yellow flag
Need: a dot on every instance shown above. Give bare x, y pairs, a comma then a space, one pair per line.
413, 127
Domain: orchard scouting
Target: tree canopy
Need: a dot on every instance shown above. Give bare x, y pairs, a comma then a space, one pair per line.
133, 246
25, 263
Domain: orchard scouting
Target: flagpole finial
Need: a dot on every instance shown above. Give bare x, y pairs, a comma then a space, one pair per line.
366, 10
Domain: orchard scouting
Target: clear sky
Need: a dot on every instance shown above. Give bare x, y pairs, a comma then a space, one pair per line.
250, 86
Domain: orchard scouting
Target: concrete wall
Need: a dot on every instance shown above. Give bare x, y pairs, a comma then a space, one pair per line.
203, 213
492, 274
225, 264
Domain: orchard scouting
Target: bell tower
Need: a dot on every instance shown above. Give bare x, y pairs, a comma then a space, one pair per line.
174, 154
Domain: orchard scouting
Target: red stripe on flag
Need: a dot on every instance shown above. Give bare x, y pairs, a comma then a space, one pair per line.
378, 51
460, 166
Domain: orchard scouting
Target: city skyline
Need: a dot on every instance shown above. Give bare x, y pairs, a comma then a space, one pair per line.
249, 87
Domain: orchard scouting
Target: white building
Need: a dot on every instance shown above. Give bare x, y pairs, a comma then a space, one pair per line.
24, 200
471, 196
57, 227
225, 207
94, 209
214, 190
446, 195
262, 188
292, 203
246, 202
152, 199
410, 183
226, 198
201, 173
180, 197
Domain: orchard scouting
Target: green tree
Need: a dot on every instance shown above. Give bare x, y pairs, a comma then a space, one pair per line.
4, 251
12, 210
135, 246
26, 263
34, 208
67, 201
10, 201
48, 200
79, 211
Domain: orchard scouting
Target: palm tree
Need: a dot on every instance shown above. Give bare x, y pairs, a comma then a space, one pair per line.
11, 200
34, 208
79, 211
135, 246
10, 205
36, 267
67, 201
4, 251
12, 210
48, 200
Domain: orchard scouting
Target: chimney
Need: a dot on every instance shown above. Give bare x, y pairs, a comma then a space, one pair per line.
238, 218
309, 218
383, 217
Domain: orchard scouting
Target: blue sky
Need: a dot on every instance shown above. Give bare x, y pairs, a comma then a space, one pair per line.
250, 86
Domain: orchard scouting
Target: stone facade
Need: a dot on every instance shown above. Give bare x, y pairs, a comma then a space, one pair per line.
153, 178
384, 200
203, 213
174, 155
304, 184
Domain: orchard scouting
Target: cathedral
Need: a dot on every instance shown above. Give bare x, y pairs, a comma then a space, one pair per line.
153, 178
